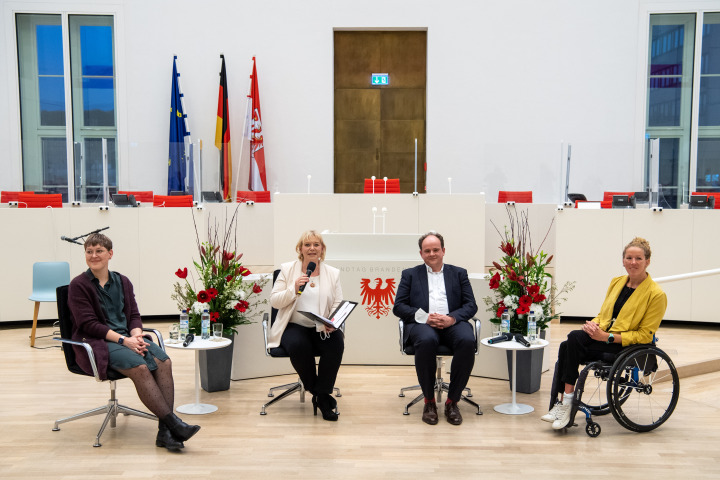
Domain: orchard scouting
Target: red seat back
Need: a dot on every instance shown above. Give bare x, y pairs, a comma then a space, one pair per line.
244, 196
517, 197
6, 197
381, 186
140, 196
711, 194
172, 201
31, 200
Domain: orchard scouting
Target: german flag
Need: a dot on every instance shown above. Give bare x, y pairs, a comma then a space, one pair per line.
222, 134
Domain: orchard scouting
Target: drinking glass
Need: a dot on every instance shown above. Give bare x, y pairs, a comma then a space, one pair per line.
174, 333
496, 331
217, 330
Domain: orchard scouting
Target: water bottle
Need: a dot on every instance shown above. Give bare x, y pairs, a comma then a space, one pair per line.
184, 325
505, 323
531, 327
205, 325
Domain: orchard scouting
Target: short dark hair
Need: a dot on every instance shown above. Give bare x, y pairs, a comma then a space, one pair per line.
98, 239
434, 234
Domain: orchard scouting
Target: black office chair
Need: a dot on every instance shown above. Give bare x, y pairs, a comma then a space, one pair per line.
280, 352
440, 384
574, 197
113, 408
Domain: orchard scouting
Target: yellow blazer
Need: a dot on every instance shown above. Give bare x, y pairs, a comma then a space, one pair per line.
284, 298
641, 315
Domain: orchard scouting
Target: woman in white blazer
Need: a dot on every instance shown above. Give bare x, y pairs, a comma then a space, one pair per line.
320, 293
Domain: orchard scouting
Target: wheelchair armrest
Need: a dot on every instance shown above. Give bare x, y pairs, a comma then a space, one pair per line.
265, 332
89, 351
158, 335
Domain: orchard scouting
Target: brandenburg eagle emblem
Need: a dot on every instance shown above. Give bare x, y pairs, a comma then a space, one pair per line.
377, 299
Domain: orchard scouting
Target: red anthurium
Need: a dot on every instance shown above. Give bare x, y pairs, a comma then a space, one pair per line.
203, 296
245, 272
212, 292
495, 281
182, 273
256, 288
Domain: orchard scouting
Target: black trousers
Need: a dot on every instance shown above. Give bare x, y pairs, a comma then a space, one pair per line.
580, 348
426, 339
303, 344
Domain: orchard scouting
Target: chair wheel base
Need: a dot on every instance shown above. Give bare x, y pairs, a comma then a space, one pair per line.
402, 395
406, 413
263, 413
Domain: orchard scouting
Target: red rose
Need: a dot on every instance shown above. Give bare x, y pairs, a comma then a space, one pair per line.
203, 296
245, 272
181, 273
256, 288
495, 281
525, 301
212, 292
523, 309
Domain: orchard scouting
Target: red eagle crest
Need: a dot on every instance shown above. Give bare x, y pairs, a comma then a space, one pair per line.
378, 300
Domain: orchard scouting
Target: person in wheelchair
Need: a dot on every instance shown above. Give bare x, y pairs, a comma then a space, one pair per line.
631, 314
106, 315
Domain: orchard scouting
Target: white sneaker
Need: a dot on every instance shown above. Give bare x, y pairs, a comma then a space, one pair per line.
552, 415
563, 416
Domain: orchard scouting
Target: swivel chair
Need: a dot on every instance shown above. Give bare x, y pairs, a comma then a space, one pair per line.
112, 409
280, 352
440, 384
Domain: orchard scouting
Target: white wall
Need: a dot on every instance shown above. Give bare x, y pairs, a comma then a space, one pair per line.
508, 81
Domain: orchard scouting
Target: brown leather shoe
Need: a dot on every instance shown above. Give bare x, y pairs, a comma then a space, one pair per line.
430, 415
452, 413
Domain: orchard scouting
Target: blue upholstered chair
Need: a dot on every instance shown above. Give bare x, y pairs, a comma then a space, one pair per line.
47, 276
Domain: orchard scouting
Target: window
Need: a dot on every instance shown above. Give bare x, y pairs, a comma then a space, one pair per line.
43, 94
677, 43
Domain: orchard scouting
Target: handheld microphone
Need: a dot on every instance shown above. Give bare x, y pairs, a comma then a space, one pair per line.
521, 340
310, 270
503, 337
71, 240
188, 339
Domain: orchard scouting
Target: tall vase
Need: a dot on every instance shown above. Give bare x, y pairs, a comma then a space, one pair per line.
216, 366
528, 367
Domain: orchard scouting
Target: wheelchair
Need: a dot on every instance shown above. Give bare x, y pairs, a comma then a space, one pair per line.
639, 386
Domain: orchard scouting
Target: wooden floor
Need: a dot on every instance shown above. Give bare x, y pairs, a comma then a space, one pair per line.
371, 440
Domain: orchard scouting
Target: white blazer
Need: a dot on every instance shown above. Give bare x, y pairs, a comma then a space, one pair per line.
284, 298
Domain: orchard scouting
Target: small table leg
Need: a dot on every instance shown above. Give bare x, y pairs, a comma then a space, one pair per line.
514, 408
197, 408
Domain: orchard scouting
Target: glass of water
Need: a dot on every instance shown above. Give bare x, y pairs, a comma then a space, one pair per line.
217, 330
174, 333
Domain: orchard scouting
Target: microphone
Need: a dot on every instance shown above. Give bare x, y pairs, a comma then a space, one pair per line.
188, 339
521, 340
71, 240
310, 270
503, 337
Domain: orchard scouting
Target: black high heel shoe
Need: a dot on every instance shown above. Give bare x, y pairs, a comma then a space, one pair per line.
325, 403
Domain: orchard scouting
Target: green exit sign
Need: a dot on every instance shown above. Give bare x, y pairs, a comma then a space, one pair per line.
380, 79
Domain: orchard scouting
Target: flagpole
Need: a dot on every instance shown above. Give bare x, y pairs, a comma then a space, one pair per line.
242, 139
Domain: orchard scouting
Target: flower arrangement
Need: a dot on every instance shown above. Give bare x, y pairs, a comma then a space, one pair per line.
222, 286
520, 280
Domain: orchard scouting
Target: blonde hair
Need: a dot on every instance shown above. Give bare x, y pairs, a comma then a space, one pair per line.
639, 242
307, 235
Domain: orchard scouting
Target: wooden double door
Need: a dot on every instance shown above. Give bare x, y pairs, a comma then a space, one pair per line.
376, 126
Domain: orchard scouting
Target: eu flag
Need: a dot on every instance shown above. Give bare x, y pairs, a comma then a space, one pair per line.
178, 132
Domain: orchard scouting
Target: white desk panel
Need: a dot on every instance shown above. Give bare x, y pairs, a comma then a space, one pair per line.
705, 256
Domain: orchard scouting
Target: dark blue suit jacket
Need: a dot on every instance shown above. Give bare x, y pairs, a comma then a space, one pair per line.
413, 293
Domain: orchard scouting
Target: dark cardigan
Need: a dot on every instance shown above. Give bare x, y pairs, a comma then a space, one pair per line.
90, 323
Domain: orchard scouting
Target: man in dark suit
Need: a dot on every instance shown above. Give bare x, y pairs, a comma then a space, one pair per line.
435, 302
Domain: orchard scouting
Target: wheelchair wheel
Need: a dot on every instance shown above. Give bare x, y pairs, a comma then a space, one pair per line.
594, 395
643, 389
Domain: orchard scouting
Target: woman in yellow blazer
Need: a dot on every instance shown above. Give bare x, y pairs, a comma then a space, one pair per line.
319, 293
631, 313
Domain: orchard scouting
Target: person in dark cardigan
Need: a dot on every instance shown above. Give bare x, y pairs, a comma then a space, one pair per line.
106, 316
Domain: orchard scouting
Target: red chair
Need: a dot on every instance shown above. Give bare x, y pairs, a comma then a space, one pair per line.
711, 194
607, 198
381, 186
31, 200
172, 201
517, 197
140, 196
244, 196
7, 197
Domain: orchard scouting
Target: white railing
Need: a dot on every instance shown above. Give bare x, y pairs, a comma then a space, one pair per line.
683, 276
